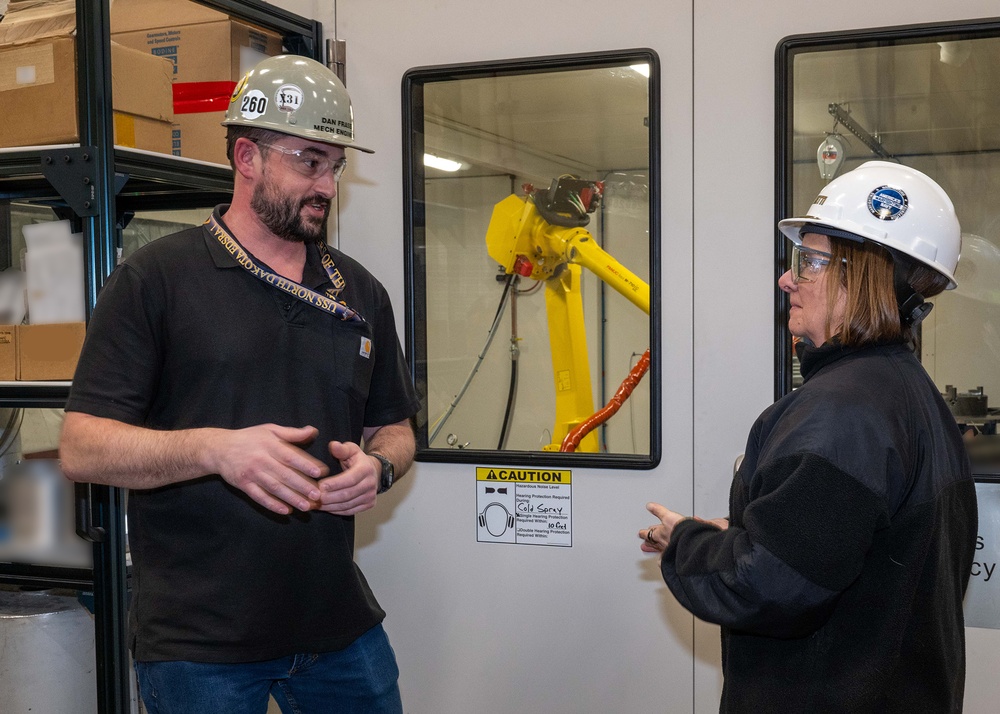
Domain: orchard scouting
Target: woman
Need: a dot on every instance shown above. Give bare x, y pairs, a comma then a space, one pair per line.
839, 576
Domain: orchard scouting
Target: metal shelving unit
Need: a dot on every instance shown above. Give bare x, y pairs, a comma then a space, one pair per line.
99, 184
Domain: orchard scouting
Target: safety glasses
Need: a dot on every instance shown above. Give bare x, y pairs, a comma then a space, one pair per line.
807, 263
311, 163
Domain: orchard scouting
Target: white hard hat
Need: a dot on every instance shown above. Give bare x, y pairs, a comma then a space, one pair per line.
889, 204
294, 95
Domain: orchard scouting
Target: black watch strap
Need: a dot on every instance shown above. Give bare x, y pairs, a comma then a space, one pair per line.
388, 472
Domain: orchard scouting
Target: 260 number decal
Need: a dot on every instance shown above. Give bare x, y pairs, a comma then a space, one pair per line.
253, 104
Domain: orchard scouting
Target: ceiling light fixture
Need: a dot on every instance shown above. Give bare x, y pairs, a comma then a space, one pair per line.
955, 53
438, 162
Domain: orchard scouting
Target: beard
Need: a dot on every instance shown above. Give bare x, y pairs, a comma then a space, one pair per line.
283, 216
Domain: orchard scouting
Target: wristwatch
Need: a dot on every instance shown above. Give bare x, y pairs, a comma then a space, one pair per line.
388, 472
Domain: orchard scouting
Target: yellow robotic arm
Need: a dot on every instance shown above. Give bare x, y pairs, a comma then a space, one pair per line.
543, 238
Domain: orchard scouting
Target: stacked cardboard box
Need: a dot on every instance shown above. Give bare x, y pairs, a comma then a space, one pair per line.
49, 351
38, 83
40, 352
210, 52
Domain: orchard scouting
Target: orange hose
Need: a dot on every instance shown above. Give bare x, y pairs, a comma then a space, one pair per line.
574, 437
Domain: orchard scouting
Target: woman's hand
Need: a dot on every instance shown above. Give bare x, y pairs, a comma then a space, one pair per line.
656, 538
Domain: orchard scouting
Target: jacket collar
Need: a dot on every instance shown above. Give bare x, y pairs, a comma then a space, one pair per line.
813, 359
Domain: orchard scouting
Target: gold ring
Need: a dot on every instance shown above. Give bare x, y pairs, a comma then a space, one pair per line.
649, 536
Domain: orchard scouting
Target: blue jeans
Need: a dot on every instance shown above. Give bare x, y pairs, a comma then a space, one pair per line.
361, 679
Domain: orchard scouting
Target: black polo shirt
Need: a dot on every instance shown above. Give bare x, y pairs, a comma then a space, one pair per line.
184, 337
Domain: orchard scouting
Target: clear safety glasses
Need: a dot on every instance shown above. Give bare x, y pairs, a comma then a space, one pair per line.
310, 163
807, 263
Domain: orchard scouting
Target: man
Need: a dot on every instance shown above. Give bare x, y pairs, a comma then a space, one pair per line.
230, 376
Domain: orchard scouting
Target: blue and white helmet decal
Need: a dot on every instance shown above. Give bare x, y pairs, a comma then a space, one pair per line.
887, 203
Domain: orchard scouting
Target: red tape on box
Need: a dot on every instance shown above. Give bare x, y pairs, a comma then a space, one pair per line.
198, 97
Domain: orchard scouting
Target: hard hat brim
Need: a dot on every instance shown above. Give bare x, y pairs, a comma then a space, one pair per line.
795, 227
306, 134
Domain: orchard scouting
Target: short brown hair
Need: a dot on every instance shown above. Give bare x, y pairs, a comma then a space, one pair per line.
253, 133
871, 314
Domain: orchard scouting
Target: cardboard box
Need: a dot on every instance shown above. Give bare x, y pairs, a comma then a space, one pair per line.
29, 20
38, 84
8, 353
210, 53
48, 352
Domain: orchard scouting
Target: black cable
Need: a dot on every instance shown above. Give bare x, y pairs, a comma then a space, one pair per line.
508, 281
512, 389
437, 426
510, 405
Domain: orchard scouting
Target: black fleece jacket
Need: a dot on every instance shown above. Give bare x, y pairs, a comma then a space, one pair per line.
839, 582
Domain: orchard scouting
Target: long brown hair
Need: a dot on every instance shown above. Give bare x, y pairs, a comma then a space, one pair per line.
871, 314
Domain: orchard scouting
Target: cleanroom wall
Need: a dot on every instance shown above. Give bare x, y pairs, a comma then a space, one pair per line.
493, 627
500, 628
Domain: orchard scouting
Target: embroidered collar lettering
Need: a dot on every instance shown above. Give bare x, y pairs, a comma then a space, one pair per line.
330, 302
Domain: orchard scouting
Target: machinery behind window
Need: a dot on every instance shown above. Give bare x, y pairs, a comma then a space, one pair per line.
532, 205
543, 237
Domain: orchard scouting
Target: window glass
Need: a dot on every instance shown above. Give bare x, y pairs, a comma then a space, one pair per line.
532, 266
928, 98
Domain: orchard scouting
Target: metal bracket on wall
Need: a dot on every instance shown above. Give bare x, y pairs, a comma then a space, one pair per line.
65, 213
72, 172
843, 117
336, 58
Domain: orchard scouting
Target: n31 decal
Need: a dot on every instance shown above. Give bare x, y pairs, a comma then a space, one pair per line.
288, 97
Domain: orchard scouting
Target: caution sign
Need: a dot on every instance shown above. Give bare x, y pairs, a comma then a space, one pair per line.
524, 506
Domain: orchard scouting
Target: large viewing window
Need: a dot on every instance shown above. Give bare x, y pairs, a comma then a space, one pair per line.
532, 241
927, 97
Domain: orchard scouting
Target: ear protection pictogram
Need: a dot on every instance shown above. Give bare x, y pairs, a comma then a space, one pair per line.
508, 521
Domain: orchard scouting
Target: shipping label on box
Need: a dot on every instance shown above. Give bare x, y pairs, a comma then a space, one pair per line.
48, 352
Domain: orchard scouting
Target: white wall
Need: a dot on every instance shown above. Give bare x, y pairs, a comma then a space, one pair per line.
504, 628
501, 628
